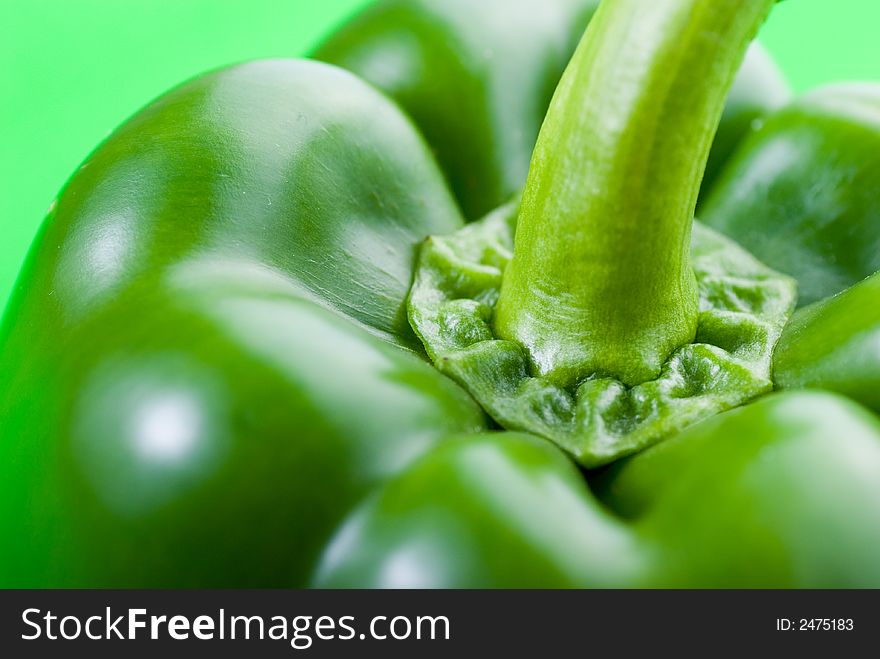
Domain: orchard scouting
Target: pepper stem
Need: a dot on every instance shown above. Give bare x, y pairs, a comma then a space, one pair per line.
601, 282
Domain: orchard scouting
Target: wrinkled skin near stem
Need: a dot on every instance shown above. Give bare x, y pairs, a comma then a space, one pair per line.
601, 282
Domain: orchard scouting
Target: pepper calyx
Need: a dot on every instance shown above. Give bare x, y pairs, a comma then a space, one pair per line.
743, 307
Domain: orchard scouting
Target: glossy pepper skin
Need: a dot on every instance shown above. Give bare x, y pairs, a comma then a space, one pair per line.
200, 369
209, 379
478, 86
752, 498
801, 192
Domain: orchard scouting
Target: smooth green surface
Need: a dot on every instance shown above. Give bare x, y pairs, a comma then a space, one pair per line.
194, 357
784, 493
72, 71
802, 192
821, 41
834, 344
476, 77
488, 511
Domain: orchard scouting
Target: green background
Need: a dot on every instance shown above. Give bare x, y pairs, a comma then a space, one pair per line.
72, 70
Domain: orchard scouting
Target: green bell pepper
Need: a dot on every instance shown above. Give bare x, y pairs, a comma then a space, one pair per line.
217, 362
